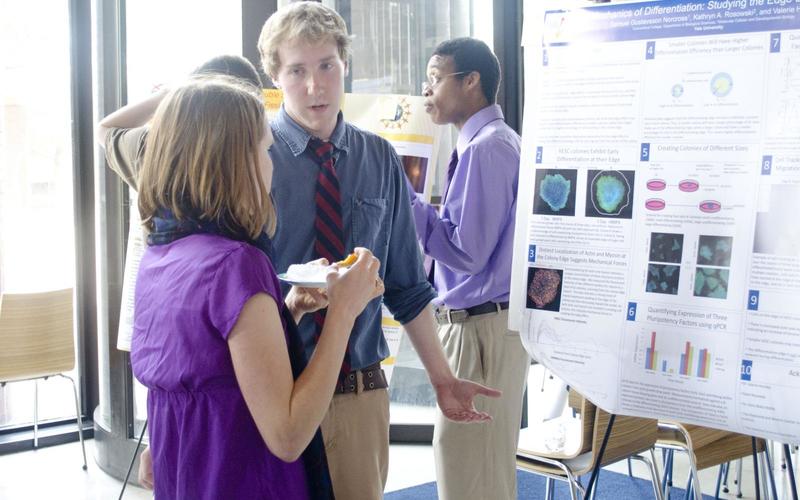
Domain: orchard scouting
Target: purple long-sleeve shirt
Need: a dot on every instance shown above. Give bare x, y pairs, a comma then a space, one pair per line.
471, 237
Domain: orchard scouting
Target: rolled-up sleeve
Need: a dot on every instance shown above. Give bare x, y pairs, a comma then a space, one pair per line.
407, 289
124, 152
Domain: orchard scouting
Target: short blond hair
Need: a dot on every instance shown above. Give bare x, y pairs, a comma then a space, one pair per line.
201, 158
309, 22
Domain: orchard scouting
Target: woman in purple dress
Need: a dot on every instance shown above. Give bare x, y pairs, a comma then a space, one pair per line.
230, 412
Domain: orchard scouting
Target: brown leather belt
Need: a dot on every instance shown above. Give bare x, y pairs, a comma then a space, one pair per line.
372, 377
445, 316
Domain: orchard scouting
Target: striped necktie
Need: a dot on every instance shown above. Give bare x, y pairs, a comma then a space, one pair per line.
328, 225
451, 170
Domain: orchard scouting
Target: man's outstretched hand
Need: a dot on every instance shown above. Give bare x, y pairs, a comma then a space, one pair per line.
456, 400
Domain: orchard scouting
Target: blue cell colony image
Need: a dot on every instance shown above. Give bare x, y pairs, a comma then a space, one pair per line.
714, 250
710, 282
663, 278
610, 192
554, 190
666, 247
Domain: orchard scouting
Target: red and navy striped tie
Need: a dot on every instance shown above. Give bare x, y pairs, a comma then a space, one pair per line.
328, 223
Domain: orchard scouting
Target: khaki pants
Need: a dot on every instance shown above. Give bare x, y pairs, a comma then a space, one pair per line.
356, 435
478, 461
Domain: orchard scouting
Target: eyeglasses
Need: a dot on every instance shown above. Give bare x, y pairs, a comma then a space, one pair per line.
433, 81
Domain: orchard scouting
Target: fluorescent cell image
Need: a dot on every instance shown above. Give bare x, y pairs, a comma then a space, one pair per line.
662, 278
666, 247
721, 84
610, 193
714, 250
711, 282
544, 289
555, 192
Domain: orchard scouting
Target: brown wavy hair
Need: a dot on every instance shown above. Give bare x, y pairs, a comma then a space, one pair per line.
201, 158
309, 22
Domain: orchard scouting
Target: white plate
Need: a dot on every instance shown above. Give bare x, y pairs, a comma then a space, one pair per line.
301, 283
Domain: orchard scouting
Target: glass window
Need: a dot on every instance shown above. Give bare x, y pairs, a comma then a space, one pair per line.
165, 42
36, 215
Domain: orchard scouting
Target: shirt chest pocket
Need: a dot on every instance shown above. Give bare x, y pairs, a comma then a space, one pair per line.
370, 224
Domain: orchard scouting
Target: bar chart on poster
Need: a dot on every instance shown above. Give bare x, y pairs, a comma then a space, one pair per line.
657, 262
687, 360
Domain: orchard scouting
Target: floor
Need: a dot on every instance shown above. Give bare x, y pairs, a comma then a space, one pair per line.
56, 472
21, 474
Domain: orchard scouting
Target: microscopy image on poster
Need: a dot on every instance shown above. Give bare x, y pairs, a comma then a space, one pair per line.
544, 288
777, 233
610, 193
714, 250
555, 192
416, 169
711, 282
663, 278
666, 247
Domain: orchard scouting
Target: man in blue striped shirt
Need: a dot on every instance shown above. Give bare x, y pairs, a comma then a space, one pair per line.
304, 48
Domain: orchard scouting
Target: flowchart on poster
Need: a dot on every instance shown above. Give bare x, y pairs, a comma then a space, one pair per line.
658, 251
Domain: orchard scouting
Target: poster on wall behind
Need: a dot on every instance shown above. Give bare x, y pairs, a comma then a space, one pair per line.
657, 264
402, 121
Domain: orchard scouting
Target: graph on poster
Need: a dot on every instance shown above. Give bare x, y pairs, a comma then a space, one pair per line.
690, 362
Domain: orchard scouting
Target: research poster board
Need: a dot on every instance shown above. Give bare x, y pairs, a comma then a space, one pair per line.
657, 263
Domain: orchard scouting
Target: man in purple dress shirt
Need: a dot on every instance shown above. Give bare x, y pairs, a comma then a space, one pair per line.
470, 240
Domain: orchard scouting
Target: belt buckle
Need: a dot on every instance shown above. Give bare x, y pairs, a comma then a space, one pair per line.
444, 315
453, 316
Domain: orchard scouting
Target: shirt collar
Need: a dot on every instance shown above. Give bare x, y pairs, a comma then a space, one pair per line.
297, 137
475, 123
